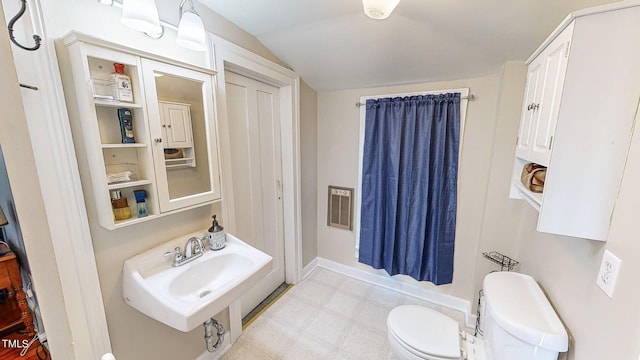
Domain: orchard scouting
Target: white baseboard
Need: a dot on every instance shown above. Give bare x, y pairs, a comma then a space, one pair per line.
309, 268
369, 276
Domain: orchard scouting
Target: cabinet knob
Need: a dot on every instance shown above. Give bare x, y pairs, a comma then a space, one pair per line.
158, 140
169, 125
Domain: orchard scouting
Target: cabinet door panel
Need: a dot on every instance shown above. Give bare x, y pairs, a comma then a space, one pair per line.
555, 67
528, 118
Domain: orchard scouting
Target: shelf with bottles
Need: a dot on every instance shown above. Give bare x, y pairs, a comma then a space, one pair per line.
113, 80
110, 128
129, 194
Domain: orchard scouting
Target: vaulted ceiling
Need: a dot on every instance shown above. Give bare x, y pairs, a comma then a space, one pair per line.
333, 45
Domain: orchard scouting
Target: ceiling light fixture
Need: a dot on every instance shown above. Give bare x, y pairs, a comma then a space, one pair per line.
191, 33
141, 15
379, 9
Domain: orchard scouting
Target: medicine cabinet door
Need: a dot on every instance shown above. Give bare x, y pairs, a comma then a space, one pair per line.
187, 172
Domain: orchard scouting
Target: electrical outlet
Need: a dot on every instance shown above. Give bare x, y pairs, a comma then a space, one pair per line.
608, 274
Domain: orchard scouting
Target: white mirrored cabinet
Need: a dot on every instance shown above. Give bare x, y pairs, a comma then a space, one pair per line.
144, 129
180, 108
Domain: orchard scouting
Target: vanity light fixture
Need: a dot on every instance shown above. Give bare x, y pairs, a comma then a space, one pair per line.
141, 15
379, 9
191, 32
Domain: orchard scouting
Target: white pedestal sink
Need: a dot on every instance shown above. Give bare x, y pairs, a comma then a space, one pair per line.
184, 297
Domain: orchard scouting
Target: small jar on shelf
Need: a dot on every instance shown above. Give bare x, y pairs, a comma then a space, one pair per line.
121, 209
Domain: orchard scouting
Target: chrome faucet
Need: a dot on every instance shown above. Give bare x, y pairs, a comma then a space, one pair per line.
193, 249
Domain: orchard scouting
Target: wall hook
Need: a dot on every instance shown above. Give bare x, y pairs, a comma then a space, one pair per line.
12, 22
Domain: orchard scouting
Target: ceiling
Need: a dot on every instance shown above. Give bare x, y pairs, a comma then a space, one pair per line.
332, 45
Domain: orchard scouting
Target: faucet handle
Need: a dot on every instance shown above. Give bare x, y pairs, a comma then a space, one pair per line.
171, 253
177, 255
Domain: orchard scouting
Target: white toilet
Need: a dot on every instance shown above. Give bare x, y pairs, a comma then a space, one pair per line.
518, 323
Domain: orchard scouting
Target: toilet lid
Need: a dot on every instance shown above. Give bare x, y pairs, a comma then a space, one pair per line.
426, 331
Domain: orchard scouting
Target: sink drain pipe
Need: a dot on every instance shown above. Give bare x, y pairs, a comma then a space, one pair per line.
208, 334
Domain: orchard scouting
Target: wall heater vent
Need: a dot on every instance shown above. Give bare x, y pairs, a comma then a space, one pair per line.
340, 207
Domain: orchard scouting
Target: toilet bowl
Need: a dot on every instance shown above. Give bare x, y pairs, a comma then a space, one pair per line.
518, 323
416, 332
419, 333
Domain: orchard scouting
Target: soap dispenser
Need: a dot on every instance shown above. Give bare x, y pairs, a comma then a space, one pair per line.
217, 237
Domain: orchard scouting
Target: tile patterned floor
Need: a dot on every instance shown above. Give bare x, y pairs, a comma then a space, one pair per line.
326, 316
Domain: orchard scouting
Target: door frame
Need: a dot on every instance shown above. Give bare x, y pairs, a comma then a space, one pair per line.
226, 56
53, 217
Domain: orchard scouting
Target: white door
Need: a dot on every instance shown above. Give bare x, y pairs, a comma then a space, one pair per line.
254, 130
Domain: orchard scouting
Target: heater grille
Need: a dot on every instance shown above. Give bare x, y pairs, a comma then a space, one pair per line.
340, 207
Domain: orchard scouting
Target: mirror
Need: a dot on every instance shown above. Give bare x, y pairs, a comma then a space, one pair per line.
184, 135
182, 127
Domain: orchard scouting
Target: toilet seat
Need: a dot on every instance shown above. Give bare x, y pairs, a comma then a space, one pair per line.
425, 333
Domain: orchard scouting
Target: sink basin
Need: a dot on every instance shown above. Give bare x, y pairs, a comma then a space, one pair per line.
184, 297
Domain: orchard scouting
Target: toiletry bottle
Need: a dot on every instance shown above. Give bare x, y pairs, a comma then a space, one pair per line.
141, 196
217, 237
121, 209
122, 89
126, 125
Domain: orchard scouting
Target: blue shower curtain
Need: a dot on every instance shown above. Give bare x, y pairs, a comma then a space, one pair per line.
409, 191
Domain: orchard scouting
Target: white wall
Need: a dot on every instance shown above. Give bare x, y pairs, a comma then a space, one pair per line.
502, 217
309, 171
338, 134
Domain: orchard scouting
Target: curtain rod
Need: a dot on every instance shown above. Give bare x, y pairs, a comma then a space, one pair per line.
471, 97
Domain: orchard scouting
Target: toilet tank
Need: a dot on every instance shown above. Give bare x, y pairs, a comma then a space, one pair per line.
519, 322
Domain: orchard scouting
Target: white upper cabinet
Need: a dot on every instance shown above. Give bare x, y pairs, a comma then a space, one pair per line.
185, 176
590, 78
175, 119
546, 74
